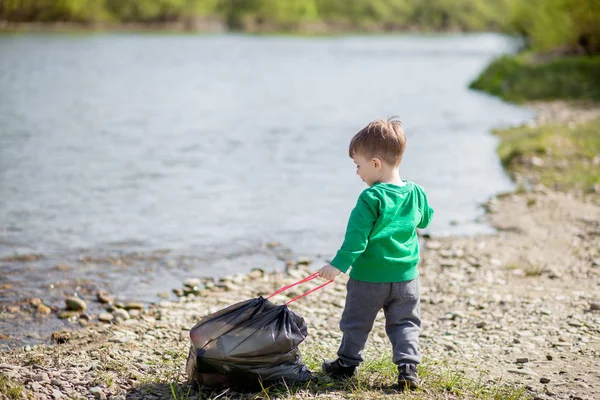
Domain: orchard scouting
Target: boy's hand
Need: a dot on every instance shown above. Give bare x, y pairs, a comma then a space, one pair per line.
329, 272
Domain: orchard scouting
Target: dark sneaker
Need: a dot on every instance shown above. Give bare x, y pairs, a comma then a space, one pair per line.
336, 369
408, 377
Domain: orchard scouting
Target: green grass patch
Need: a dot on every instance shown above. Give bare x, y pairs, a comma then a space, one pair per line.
520, 78
9, 388
560, 156
375, 380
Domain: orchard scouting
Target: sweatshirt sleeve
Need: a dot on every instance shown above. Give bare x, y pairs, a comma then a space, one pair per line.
425, 209
361, 222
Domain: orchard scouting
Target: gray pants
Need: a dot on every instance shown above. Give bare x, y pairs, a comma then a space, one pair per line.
400, 303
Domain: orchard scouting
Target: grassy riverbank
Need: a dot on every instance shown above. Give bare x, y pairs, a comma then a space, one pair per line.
525, 77
559, 156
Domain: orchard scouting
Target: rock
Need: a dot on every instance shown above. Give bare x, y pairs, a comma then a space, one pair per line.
36, 301
134, 305
256, 273
522, 360
105, 317
118, 304
56, 394
65, 314
480, 325
105, 298
595, 306
62, 267
544, 380
41, 377
35, 387
549, 357
522, 371
134, 313
192, 282
43, 309
448, 263
75, 304
60, 337
164, 295
306, 261
545, 311
433, 245
575, 324
121, 314
98, 393
178, 292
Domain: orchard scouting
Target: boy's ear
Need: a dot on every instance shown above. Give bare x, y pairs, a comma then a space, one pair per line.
377, 163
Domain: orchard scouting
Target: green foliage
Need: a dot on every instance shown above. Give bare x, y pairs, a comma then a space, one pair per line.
547, 24
10, 388
551, 24
518, 78
568, 154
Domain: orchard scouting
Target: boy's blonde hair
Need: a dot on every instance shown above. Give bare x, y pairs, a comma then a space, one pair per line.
380, 139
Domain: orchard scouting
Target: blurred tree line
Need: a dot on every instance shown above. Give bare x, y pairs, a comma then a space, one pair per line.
547, 24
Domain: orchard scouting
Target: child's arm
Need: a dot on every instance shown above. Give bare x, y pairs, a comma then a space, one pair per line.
360, 224
425, 209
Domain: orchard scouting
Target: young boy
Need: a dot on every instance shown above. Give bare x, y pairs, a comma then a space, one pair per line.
382, 246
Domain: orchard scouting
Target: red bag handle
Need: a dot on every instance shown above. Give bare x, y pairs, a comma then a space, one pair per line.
308, 278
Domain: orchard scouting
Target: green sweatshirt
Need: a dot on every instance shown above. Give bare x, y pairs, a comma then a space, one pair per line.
381, 242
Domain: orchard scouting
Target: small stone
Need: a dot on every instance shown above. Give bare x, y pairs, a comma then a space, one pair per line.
98, 393
178, 292
134, 313
134, 305
36, 301
75, 304
105, 317
575, 324
522, 360
65, 314
61, 337
544, 380
105, 298
480, 324
522, 371
549, 357
306, 261
121, 314
192, 282
595, 306
43, 309
56, 394
62, 267
448, 263
36, 387
164, 295
433, 245
256, 273
41, 377
545, 311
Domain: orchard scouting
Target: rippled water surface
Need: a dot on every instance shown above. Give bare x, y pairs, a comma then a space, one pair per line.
195, 151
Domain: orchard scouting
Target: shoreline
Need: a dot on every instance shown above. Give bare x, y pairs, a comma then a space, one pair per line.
208, 26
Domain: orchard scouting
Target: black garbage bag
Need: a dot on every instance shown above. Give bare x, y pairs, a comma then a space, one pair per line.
246, 345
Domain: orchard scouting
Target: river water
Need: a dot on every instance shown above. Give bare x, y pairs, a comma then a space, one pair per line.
208, 155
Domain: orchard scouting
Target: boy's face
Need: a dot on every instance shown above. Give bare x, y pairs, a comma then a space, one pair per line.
369, 170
